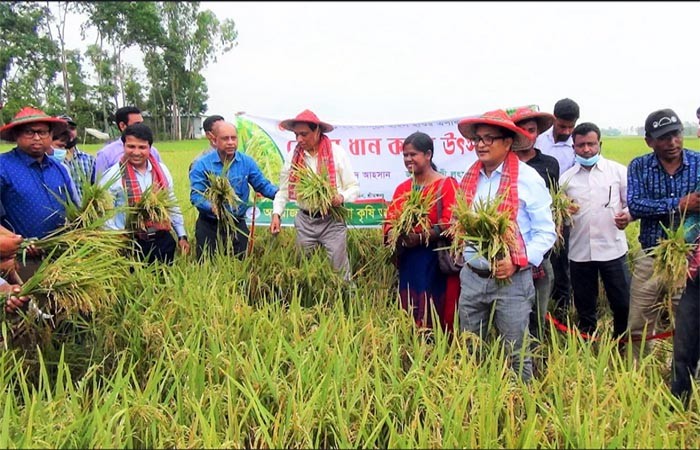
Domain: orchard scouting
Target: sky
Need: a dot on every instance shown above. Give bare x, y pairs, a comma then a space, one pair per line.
379, 63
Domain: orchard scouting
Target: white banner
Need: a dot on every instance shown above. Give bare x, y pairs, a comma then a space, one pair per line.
375, 151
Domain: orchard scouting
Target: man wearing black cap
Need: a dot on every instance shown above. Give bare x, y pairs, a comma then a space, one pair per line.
662, 188
80, 164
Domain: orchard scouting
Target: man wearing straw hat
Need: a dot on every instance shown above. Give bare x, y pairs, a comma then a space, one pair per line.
535, 123
33, 187
499, 172
315, 150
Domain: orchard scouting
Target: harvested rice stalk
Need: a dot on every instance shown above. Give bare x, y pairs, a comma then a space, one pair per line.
491, 232
561, 212
85, 277
317, 193
671, 258
154, 206
414, 215
222, 197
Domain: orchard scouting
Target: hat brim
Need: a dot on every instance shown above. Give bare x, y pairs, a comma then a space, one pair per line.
57, 126
289, 125
521, 141
544, 121
667, 129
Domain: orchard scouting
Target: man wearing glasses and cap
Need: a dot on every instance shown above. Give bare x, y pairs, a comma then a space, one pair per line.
33, 187
80, 164
663, 188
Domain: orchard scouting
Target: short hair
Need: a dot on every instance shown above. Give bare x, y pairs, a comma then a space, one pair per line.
140, 131
122, 114
209, 122
65, 134
697, 113
566, 109
584, 128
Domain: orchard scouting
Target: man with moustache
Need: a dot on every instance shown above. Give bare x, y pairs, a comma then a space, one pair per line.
662, 188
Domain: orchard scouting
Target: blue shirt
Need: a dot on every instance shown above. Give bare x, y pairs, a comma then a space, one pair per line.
32, 193
534, 216
653, 194
243, 171
113, 178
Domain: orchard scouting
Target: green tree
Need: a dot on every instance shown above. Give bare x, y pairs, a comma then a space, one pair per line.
28, 57
192, 40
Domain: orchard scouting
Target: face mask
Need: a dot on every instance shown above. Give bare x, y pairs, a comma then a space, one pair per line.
72, 143
588, 162
59, 154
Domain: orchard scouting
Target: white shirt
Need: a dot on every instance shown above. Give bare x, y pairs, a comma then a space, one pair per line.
534, 212
118, 222
601, 192
562, 151
345, 178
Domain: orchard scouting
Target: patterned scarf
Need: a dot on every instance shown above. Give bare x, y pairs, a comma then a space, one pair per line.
133, 190
325, 160
507, 186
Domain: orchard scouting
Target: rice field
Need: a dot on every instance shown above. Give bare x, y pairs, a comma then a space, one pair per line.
276, 351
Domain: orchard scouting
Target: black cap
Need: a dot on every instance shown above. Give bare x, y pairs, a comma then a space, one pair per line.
661, 122
68, 119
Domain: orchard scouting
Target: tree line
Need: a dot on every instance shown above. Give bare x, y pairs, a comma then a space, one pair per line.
177, 41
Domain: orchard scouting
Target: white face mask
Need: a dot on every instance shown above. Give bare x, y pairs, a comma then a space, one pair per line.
59, 154
588, 162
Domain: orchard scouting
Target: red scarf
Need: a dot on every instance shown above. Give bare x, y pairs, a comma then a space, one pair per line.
325, 160
133, 190
508, 187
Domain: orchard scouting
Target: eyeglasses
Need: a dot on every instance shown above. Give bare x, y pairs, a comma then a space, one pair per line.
487, 140
30, 132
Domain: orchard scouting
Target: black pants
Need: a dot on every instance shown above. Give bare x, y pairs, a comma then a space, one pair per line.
561, 289
161, 247
209, 234
616, 280
686, 340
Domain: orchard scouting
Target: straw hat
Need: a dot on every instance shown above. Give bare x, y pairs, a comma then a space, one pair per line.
32, 115
308, 117
544, 120
498, 118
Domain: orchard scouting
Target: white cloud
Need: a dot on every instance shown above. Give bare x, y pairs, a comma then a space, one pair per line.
394, 62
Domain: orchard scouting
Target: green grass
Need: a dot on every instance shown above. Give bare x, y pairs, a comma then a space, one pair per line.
275, 351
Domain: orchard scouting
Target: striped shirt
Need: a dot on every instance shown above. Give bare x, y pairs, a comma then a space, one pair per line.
653, 194
81, 165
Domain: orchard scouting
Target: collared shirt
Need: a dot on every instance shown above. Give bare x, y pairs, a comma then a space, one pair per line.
547, 166
563, 152
112, 153
653, 194
345, 178
244, 171
80, 166
601, 193
534, 214
145, 179
33, 193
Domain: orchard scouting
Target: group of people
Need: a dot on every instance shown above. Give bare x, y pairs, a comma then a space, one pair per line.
524, 157
521, 158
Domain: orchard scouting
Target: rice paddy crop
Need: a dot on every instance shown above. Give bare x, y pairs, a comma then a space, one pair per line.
317, 193
222, 197
276, 352
413, 216
561, 212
